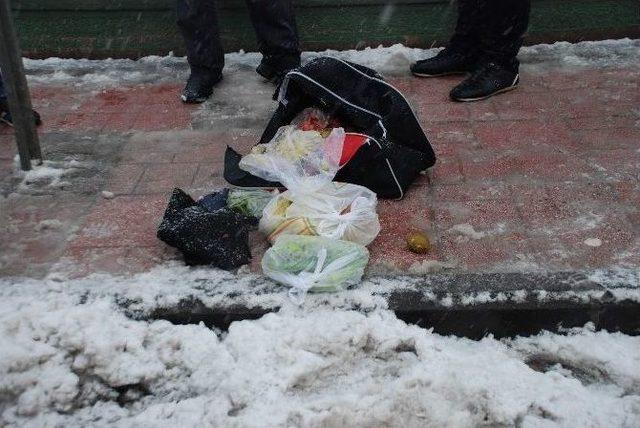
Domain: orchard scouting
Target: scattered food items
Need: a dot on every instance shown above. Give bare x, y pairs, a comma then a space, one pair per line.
418, 243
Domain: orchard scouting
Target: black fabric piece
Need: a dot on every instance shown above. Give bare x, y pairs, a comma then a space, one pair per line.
239, 177
273, 21
491, 30
219, 238
214, 201
398, 149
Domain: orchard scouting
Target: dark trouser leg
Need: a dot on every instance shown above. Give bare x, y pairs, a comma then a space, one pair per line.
502, 25
465, 39
275, 26
198, 23
3, 94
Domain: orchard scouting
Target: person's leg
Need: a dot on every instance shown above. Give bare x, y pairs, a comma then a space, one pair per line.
277, 34
465, 36
3, 94
198, 24
501, 26
461, 52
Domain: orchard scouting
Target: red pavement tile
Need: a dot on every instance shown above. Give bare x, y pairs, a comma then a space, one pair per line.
495, 167
521, 105
162, 178
602, 122
584, 103
80, 262
443, 112
615, 239
446, 172
491, 217
615, 165
530, 135
154, 120
125, 221
124, 178
554, 167
460, 133
482, 111
469, 191
605, 139
211, 153
532, 83
491, 252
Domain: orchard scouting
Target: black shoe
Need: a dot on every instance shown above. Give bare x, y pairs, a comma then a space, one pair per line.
5, 114
199, 86
447, 62
274, 67
488, 80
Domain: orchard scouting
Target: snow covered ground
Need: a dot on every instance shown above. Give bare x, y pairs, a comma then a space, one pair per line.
393, 60
69, 356
72, 356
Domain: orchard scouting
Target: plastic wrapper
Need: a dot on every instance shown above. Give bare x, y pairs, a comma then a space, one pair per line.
336, 211
249, 202
299, 160
314, 263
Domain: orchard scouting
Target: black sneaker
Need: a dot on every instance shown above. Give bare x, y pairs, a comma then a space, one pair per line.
446, 62
488, 80
5, 114
274, 67
199, 86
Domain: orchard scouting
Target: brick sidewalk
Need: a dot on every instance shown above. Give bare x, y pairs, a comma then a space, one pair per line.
545, 178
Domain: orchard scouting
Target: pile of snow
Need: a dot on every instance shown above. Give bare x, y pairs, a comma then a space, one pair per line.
48, 174
69, 357
392, 60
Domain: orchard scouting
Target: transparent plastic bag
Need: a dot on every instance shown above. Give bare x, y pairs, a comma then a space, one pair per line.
299, 160
314, 263
249, 202
337, 210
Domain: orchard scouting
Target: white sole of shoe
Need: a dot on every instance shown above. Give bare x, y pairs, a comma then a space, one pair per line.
450, 73
468, 100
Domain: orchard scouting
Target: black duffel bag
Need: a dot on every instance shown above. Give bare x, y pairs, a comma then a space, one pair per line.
394, 148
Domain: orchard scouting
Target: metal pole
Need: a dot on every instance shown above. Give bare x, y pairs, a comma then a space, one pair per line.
17, 90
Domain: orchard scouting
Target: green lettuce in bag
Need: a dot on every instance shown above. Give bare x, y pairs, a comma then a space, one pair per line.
249, 202
314, 263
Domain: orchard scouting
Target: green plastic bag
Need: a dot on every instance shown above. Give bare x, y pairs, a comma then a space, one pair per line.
314, 263
249, 202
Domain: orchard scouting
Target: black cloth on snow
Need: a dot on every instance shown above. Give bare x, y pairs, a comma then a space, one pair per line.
219, 238
273, 21
397, 149
491, 30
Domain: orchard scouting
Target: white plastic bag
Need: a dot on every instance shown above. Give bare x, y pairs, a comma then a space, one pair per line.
314, 263
299, 160
305, 163
337, 210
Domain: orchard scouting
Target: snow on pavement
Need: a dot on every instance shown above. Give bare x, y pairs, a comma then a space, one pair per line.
70, 357
392, 60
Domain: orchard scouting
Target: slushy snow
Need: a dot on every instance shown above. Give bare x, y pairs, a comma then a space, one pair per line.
77, 353
70, 357
392, 60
